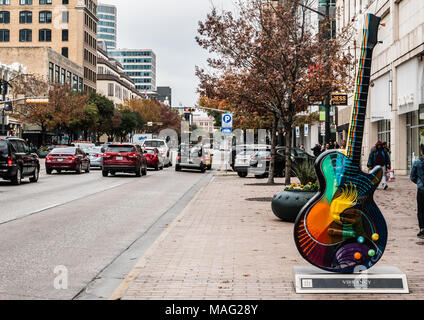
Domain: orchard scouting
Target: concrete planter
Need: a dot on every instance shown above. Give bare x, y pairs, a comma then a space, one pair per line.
286, 205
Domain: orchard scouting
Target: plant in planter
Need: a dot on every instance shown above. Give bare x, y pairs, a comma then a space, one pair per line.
287, 204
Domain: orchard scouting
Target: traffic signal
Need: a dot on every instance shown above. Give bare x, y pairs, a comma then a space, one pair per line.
4, 87
8, 106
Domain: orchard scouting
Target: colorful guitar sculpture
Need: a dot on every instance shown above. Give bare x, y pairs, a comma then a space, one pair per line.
342, 229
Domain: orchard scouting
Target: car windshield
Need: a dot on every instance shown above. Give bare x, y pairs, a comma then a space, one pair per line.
263, 154
120, 148
246, 153
63, 151
3, 147
154, 144
95, 150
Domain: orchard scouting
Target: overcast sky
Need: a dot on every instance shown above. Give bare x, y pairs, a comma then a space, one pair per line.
168, 27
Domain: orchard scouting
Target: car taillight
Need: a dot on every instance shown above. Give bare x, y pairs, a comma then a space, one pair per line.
97, 155
178, 157
72, 158
106, 156
202, 159
9, 161
132, 155
267, 158
49, 158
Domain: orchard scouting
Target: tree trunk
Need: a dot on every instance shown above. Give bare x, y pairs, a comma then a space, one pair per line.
288, 154
43, 135
273, 150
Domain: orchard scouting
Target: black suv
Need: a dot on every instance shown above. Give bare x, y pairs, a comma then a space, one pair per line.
17, 161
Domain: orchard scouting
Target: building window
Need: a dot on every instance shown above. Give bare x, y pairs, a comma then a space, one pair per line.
25, 2
51, 72
4, 17
63, 76
57, 74
25, 17
4, 35
65, 52
65, 1
45, 1
45, 35
5, 2
75, 83
65, 35
65, 17
68, 77
45, 17
25, 35
110, 90
81, 84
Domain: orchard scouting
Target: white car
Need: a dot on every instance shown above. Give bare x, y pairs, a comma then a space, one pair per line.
163, 148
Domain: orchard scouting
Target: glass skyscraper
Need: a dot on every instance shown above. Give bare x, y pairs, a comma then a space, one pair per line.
139, 65
107, 25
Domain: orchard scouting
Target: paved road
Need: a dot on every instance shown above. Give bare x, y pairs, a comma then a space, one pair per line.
86, 223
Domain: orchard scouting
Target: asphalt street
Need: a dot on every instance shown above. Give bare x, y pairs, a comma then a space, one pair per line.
89, 229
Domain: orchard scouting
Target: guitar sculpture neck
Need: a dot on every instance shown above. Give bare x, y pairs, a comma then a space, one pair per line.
356, 129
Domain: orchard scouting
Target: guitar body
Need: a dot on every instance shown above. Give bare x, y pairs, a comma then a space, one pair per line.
342, 229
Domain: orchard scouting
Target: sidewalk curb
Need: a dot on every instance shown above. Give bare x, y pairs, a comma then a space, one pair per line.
120, 291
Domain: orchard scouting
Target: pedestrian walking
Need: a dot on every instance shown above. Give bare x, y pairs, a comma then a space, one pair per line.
317, 150
417, 177
326, 147
379, 157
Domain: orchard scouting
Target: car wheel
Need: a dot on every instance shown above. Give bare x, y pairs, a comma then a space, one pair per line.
144, 172
88, 169
203, 170
16, 180
177, 167
242, 174
138, 172
79, 170
156, 168
36, 175
49, 171
105, 173
161, 168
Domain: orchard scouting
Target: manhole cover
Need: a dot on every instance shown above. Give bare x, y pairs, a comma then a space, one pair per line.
260, 199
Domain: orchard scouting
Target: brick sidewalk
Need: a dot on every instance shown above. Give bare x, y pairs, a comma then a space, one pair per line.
224, 247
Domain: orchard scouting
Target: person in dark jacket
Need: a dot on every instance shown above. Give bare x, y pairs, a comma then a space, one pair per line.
379, 157
317, 150
417, 177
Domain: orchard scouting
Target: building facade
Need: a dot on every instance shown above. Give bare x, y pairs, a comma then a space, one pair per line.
107, 26
165, 95
69, 27
112, 82
139, 65
395, 112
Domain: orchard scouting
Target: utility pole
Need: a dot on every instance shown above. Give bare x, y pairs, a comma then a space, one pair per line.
4, 85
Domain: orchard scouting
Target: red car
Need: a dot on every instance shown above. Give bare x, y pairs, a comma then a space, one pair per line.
129, 158
154, 158
67, 159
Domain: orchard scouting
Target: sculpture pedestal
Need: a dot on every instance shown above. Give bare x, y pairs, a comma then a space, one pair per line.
376, 280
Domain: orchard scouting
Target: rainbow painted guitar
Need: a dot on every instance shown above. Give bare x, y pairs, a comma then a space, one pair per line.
342, 229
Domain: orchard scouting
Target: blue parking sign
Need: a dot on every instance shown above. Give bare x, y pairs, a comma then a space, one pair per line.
227, 121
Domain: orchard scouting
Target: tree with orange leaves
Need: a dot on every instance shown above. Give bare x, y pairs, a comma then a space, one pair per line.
262, 63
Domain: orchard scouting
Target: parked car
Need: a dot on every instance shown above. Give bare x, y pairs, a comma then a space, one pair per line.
17, 161
124, 157
84, 145
242, 147
162, 147
154, 158
67, 159
191, 156
96, 156
260, 161
242, 162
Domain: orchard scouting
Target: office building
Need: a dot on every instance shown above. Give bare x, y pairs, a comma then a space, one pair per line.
140, 66
395, 112
164, 95
69, 27
107, 26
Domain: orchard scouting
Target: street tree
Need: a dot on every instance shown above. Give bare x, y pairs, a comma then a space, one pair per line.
267, 60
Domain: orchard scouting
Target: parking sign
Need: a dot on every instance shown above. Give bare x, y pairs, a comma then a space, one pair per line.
227, 121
